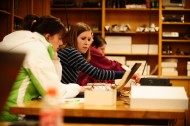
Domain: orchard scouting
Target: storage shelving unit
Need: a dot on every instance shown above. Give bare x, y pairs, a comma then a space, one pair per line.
179, 45
13, 11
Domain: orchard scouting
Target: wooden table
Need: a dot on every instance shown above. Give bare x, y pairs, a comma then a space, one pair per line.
67, 124
119, 111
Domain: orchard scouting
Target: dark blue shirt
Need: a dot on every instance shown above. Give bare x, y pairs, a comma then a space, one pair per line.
73, 62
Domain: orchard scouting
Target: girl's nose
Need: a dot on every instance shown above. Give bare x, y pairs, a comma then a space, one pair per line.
60, 42
86, 42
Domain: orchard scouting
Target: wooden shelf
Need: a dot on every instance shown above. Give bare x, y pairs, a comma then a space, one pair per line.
176, 56
97, 32
131, 33
16, 12
176, 23
176, 10
176, 40
176, 44
76, 9
18, 17
5, 12
131, 9
177, 77
129, 54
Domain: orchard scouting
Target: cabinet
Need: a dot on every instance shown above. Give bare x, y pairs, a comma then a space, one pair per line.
178, 45
104, 15
99, 17
5, 17
140, 42
13, 11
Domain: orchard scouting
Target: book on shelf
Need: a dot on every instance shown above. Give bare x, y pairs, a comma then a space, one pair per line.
188, 62
169, 64
120, 59
174, 73
188, 66
188, 72
118, 44
169, 69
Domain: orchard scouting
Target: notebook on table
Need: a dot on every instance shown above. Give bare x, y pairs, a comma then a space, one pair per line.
10, 64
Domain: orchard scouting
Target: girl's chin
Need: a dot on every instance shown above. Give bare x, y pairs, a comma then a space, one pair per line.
84, 52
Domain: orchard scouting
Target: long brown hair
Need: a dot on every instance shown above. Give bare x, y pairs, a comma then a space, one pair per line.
74, 32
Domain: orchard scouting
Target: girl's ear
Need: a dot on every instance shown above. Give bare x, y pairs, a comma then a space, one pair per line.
47, 36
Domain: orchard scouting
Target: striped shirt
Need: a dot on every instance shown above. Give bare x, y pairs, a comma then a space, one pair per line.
73, 62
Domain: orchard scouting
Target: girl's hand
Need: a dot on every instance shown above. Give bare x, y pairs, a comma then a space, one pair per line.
136, 77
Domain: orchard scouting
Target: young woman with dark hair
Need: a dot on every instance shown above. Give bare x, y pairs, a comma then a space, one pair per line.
41, 69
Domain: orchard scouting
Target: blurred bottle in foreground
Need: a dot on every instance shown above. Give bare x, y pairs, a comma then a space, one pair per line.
51, 113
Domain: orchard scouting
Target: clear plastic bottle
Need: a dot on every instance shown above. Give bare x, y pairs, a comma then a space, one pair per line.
51, 113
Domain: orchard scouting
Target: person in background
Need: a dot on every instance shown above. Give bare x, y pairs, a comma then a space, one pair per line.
76, 53
98, 59
40, 41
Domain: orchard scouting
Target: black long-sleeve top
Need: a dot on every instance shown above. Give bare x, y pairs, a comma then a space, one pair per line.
73, 62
